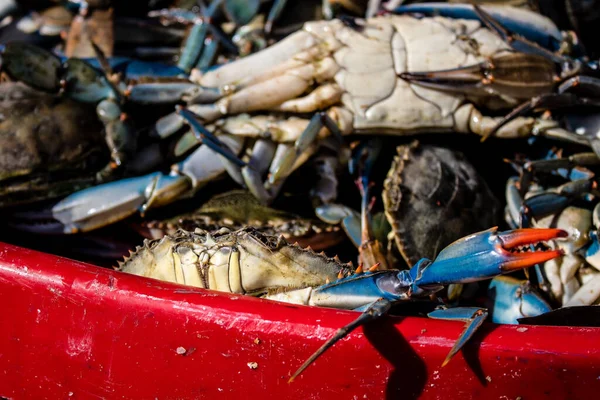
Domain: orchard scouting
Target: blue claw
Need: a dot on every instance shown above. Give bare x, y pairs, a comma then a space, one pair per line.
480, 256
476, 257
511, 299
484, 255
528, 24
110, 202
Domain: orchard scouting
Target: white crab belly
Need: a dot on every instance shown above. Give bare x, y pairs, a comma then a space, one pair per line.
369, 62
372, 60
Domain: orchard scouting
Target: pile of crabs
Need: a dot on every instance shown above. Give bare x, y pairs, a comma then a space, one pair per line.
349, 154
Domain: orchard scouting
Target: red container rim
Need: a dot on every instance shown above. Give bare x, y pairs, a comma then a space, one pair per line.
75, 330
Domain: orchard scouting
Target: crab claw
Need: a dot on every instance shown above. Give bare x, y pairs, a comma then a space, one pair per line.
487, 254
101, 205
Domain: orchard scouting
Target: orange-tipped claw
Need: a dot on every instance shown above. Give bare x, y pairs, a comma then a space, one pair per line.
488, 254
522, 237
529, 259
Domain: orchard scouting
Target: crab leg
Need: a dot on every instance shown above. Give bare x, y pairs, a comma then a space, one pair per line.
548, 203
474, 318
500, 78
106, 203
513, 299
209, 55
170, 90
510, 75
263, 153
572, 167
194, 44
517, 42
285, 158
532, 26
274, 14
207, 138
548, 101
319, 121
470, 120
579, 83
476, 257
374, 311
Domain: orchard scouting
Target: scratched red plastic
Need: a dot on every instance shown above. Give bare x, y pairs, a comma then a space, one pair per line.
73, 330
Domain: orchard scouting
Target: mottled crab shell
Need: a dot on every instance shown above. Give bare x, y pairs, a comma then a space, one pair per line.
49, 147
433, 196
243, 261
239, 208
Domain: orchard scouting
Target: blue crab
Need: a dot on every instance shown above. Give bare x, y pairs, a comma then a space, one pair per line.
50, 147
248, 262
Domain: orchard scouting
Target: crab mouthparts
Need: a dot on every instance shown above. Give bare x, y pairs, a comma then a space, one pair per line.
521, 247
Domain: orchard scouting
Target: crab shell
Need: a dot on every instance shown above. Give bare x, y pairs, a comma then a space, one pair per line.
49, 147
239, 208
433, 196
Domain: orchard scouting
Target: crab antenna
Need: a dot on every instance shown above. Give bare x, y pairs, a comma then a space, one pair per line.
376, 310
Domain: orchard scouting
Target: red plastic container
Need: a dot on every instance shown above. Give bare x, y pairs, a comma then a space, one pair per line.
73, 330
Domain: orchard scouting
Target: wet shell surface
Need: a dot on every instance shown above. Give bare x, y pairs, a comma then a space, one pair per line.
239, 208
433, 196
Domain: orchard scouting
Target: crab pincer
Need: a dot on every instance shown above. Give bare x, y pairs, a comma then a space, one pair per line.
475, 257
485, 255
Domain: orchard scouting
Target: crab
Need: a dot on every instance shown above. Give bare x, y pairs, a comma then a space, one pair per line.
433, 196
244, 261
390, 74
248, 262
238, 208
561, 192
380, 75
50, 147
